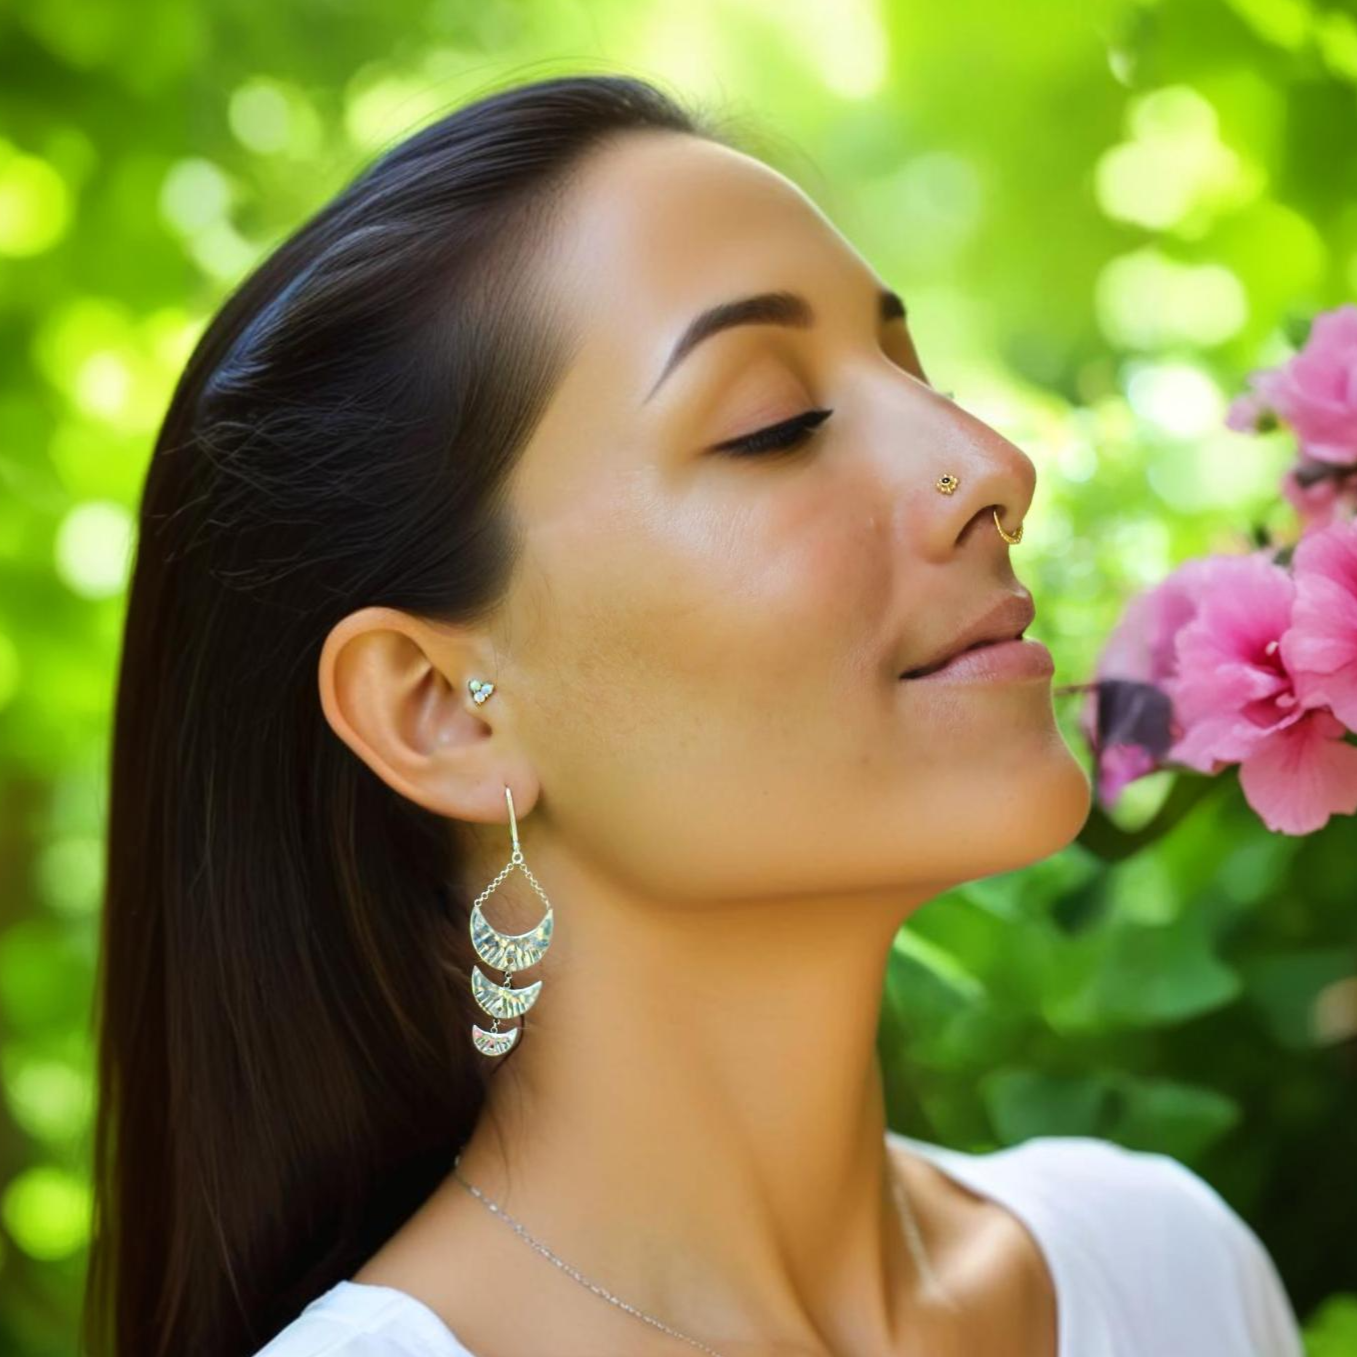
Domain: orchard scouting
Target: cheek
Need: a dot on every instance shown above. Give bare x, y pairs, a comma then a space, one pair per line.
797, 584
753, 587
686, 661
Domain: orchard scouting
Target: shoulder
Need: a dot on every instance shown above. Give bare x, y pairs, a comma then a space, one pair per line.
1161, 1199
365, 1320
1153, 1232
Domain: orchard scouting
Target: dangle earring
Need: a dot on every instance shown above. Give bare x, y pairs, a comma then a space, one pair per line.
508, 952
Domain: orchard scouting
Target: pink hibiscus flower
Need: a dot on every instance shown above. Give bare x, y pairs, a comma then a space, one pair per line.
1314, 392
1142, 645
1235, 700
1138, 657
1248, 413
1319, 499
1119, 764
1321, 647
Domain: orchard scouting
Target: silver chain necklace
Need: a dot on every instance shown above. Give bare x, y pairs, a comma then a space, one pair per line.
916, 1246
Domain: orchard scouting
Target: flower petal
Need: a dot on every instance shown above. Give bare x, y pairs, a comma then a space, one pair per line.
1302, 775
1320, 649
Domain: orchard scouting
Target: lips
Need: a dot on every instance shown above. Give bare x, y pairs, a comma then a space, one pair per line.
947, 659
1005, 620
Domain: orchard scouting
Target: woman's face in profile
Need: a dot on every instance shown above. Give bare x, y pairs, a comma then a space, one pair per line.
700, 655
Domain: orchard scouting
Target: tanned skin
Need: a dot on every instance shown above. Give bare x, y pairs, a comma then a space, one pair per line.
731, 798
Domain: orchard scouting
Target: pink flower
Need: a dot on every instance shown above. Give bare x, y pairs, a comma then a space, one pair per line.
1231, 690
1318, 499
1142, 644
1119, 764
1246, 412
1321, 647
1128, 721
1236, 700
1298, 780
1315, 392
1315, 503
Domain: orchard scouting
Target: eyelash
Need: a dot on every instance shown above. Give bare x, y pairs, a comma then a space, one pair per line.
776, 437
782, 437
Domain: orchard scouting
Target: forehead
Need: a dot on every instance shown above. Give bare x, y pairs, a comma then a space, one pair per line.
659, 224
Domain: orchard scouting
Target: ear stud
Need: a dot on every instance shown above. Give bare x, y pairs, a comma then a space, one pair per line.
479, 691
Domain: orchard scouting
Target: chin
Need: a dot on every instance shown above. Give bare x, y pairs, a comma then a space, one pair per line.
1008, 819
1068, 797
1044, 813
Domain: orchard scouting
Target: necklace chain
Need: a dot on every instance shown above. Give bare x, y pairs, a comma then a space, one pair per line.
911, 1225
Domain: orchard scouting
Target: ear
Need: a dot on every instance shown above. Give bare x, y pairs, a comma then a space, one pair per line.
393, 687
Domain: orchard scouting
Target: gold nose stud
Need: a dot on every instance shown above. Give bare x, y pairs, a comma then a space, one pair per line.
946, 483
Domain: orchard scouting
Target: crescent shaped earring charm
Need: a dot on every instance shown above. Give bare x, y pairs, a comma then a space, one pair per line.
508, 952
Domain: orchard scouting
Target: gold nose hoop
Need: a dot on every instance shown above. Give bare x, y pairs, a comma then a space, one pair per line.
1011, 537
947, 483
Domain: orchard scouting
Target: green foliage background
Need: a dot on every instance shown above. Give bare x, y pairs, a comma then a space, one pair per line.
1101, 217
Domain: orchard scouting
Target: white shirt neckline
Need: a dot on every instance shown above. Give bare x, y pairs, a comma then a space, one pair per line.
955, 1164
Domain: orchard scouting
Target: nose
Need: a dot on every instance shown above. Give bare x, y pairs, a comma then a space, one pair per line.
976, 472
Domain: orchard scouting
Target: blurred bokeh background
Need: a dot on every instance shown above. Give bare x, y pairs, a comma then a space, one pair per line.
1101, 216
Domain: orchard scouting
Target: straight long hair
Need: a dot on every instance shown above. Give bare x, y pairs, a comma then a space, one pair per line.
283, 1053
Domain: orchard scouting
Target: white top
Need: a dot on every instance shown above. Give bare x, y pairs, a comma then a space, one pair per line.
1147, 1258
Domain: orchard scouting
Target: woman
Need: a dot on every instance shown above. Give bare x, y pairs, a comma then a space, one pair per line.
562, 522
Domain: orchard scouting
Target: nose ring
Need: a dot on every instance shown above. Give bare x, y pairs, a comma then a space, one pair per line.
1011, 537
947, 483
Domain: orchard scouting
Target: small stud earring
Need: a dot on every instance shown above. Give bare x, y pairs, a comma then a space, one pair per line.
479, 691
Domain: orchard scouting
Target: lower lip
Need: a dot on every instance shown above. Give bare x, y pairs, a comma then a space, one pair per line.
1020, 659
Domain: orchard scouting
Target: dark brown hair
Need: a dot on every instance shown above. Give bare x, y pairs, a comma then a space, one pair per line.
284, 1062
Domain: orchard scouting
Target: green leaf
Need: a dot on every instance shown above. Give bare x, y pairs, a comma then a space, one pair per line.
1170, 1116
1283, 988
1150, 975
1110, 841
1023, 1103
1331, 1330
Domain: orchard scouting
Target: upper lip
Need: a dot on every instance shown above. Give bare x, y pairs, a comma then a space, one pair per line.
1006, 620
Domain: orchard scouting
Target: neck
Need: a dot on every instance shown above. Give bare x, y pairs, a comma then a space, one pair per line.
713, 1068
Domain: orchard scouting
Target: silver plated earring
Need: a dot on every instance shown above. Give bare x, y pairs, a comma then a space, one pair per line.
508, 952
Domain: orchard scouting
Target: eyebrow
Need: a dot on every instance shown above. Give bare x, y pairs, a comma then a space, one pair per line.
763, 308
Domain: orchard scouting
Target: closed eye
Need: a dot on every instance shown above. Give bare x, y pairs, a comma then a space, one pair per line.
783, 437
790, 433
